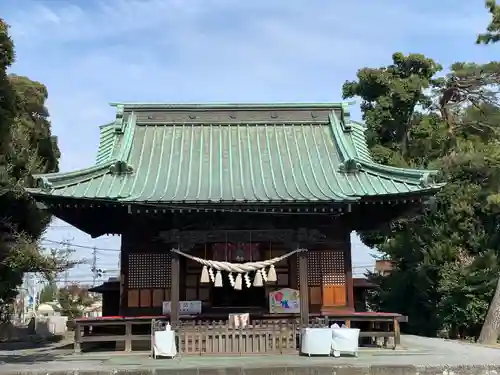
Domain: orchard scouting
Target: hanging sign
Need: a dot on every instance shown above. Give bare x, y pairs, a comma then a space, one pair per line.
284, 301
185, 307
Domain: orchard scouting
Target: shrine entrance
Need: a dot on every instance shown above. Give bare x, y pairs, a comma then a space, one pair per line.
226, 296
253, 298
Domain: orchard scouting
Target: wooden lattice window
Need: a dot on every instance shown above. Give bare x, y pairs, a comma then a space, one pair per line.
324, 268
313, 269
149, 270
332, 268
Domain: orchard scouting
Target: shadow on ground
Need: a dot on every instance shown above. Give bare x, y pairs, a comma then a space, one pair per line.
30, 342
27, 359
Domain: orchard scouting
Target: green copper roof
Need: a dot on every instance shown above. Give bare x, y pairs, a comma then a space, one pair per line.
238, 152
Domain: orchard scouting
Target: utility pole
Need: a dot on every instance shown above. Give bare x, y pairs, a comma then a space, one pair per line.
67, 250
31, 297
94, 266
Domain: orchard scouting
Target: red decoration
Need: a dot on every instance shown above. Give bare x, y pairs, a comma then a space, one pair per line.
278, 296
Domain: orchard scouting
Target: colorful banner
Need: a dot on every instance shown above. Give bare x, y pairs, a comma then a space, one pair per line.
284, 301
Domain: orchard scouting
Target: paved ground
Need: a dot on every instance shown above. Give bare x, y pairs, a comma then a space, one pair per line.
430, 356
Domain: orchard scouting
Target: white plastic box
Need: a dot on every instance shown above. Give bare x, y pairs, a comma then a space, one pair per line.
316, 341
345, 340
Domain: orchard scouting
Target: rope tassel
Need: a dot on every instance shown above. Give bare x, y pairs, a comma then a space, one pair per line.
271, 275
237, 283
257, 281
205, 277
218, 280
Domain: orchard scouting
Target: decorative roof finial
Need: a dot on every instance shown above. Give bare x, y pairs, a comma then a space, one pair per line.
120, 108
346, 117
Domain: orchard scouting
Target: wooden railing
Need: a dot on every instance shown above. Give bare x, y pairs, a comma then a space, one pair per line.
207, 337
218, 337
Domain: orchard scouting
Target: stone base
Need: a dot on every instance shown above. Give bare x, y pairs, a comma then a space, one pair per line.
296, 370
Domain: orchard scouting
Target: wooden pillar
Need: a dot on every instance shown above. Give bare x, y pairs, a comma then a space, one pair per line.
123, 307
304, 289
174, 289
349, 285
397, 333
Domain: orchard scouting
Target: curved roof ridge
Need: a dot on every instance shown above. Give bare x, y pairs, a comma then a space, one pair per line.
108, 138
347, 152
47, 181
424, 177
404, 171
358, 139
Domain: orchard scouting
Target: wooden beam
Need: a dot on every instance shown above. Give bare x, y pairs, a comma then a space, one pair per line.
289, 237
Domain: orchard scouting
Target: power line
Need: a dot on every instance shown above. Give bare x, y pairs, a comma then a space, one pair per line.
94, 248
65, 245
80, 246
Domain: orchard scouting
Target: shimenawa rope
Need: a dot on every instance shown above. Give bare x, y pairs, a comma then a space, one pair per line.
238, 268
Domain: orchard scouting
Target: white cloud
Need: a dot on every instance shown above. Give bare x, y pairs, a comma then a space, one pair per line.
104, 19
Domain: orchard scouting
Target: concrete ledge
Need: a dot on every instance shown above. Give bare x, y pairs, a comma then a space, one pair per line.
281, 370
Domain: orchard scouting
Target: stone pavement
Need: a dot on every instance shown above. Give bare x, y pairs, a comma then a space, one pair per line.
419, 355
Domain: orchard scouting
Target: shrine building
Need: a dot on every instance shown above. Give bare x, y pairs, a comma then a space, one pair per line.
222, 205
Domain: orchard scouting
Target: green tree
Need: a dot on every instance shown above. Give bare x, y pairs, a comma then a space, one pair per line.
48, 293
468, 101
492, 34
26, 147
445, 258
73, 300
390, 96
490, 330
8, 105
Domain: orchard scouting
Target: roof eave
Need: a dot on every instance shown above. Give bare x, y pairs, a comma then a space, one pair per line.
228, 106
424, 191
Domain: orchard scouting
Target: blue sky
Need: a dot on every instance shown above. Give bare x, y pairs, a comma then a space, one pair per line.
91, 52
